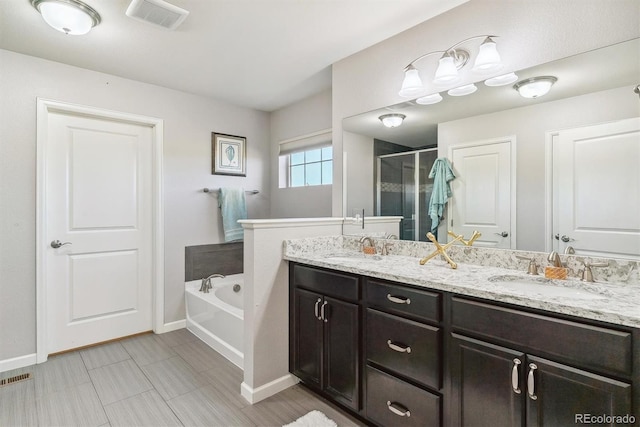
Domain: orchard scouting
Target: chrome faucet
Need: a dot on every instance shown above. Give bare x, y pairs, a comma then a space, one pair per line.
368, 249
364, 239
586, 275
206, 282
533, 267
554, 259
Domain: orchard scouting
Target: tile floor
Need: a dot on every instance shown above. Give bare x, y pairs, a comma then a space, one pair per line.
171, 379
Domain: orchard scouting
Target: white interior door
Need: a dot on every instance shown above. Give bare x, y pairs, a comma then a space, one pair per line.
482, 193
99, 206
597, 182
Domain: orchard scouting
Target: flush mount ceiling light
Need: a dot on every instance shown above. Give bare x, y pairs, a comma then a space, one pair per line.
535, 86
449, 64
68, 16
392, 120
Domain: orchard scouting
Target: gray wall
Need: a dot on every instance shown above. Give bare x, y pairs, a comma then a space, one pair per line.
360, 185
191, 217
529, 125
531, 33
310, 115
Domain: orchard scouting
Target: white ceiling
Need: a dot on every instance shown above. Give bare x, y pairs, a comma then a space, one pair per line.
262, 54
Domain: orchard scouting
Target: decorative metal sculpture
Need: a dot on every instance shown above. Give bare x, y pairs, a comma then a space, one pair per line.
441, 249
469, 242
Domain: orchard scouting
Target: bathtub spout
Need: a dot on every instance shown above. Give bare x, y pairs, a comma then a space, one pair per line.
206, 282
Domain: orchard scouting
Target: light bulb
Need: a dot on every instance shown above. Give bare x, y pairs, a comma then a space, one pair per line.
447, 72
502, 80
429, 99
463, 90
412, 84
488, 59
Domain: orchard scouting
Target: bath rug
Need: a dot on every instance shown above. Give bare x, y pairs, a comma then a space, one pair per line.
313, 419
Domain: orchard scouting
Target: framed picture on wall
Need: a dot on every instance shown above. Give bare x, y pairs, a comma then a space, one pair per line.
228, 154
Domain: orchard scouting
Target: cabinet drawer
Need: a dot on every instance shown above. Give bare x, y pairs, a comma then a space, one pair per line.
409, 348
403, 300
388, 398
563, 339
332, 283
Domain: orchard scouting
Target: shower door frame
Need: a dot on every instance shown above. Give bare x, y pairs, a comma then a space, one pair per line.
416, 189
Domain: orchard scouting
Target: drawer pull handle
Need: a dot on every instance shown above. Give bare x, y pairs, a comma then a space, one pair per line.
398, 409
322, 315
398, 348
398, 300
515, 376
531, 382
315, 309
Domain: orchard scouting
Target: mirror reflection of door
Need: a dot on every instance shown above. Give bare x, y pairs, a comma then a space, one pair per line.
596, 182
482, 192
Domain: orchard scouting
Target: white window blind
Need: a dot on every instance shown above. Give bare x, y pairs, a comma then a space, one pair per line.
306, 142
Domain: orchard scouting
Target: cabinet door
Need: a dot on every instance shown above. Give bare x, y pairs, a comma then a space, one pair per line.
307, 337
342, 353
559, 395
483, 377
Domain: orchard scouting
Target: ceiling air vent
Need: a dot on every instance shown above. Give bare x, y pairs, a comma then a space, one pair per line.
157, 12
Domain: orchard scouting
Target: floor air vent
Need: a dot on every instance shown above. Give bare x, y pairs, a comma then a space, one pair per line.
14, 379
157, 12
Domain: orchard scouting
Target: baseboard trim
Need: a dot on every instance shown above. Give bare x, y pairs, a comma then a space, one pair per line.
255, 395
172, 326
17, 362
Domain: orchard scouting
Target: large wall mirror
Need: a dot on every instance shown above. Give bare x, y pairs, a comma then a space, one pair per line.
385, 166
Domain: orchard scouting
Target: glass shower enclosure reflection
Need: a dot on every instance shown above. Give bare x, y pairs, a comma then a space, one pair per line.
404, 188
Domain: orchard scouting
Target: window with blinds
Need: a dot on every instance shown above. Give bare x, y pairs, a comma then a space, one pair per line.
306, 160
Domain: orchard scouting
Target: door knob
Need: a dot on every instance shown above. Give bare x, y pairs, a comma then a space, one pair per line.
503, 234
566, 239
55, 244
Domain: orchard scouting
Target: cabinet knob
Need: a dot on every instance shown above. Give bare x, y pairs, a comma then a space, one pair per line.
515, 376
531, 382
398, 409
315, 309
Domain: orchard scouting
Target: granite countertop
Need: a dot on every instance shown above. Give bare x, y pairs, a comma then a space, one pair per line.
617, 303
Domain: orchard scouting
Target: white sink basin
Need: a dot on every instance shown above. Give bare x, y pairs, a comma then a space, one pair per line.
540, 285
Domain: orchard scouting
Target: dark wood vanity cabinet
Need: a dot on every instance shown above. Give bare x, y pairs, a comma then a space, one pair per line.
402, 355
511, 367
324, 350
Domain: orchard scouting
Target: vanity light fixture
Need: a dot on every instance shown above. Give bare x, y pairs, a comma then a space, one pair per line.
502, 80
451, 61
68, 16
463, 90
535, 87
429, 99
392, 120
